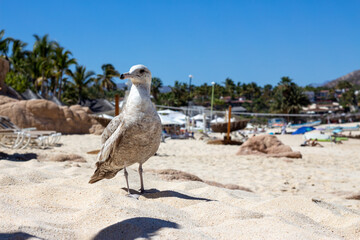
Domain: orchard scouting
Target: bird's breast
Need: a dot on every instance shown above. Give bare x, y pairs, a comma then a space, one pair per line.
140, 141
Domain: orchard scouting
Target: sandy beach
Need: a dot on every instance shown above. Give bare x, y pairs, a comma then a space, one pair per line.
113, 117
290, 198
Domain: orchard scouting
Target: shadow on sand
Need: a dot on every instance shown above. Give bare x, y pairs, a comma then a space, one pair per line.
18, 157
154, 193
16, 235
139, 227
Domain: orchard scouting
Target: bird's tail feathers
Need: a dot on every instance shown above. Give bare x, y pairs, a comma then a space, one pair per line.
101, 173
94, 179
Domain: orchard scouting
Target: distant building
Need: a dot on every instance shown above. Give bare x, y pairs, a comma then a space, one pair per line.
226, 99
234, 103
315, 108
193, 110
238, 109
323, 94
310, 95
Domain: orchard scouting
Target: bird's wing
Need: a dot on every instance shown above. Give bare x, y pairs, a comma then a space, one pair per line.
111, 142
103, 165
111, 127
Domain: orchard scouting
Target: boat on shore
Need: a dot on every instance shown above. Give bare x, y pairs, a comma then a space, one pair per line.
354, 128
307, 124
276, 122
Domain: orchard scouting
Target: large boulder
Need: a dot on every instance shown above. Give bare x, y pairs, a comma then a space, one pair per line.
268, 145
46, 115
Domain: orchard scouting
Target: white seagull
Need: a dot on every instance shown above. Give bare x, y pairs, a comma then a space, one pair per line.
134, 135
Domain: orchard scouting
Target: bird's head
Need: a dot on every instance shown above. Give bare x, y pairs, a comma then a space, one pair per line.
138, 74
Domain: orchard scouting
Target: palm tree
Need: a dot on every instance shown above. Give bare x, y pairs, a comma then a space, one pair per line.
156, 84
4, 44
32, 68
251, 90
69, 92
46, 79
18, 56
288, 97
229, 87
238, 89
81, 79
202, 93
18, 77
63, 61
43, 51
106, 79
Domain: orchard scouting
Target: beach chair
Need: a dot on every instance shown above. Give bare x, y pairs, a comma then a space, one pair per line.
22, 139
11, 139
16, 137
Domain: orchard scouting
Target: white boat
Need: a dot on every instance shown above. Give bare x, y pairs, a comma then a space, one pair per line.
307, 124
344, 128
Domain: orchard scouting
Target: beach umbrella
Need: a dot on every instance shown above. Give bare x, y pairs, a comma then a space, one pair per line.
303, 130
198, 117
165, 120
167, 111
179, 121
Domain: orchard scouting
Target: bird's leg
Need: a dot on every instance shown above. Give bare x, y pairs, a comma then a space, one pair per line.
127, 181
141, 178
136, 196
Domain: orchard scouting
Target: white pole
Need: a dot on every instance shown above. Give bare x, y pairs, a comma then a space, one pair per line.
212, 100
204, 122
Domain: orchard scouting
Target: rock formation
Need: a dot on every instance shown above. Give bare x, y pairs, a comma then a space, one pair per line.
267, 145
46, 115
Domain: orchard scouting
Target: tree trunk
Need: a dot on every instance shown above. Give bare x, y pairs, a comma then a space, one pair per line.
60, 88
56, 85
42, 89
80, 90
4, 69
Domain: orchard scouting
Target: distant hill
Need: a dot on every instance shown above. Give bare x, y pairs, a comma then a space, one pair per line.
353, 78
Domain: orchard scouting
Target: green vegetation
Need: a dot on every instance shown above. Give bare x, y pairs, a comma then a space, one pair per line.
17, 81
348, 98
288, 97
81, 79
50, 70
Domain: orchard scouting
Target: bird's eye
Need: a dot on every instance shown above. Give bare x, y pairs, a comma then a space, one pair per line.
142, 71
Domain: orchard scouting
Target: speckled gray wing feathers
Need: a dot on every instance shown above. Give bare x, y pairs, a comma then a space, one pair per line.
111, 127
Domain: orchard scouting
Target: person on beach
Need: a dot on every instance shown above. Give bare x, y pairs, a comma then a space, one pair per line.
306, 143
311, 143
283, 129
315, 143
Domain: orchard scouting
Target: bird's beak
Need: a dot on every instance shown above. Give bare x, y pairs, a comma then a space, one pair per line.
125, 76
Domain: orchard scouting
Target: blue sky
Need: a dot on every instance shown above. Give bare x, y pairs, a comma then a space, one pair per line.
260, 41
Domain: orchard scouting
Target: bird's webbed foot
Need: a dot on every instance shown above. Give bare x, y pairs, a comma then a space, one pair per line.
141, 191
135, 196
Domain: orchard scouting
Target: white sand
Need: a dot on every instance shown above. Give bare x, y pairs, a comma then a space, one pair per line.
292, 198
